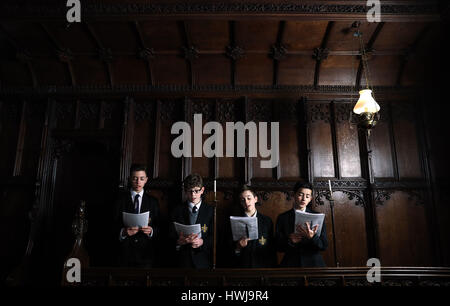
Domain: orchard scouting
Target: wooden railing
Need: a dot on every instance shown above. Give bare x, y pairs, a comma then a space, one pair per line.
327, 277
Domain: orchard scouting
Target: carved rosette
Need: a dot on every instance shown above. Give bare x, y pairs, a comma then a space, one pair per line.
278, 52
190, 53
65, 55
321, 54
146, 54
234, 52
105, 55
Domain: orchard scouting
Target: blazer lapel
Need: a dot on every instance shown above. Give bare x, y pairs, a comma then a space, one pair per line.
186, 213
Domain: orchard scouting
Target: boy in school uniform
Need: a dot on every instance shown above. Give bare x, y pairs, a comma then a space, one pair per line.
257, 253
302, 245
193, 251
137, 246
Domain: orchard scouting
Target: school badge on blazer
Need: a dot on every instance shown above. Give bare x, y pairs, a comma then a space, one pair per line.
262, 241
204, 228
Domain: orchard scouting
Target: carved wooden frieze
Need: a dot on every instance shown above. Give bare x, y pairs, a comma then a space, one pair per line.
259, 111
169, 110
143, 111
226, 110
61, 147
98, 8
107, 110
89, 110
351, 195
182, 89
204, 107
318, 112
64, 110
343, 112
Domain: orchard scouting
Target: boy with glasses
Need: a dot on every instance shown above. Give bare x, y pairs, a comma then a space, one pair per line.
193, 251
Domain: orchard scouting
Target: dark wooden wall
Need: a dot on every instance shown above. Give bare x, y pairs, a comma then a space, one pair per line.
58, 151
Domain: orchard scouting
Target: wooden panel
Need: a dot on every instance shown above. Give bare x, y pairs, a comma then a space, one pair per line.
170, 112
295, 38
254, 69
404, 235
155, 34
170, 69
338, 70
351, 240
383, 71
29, 36
328, 254
347, 142
14, 73
290, 134
406, 142
342, 39
74, 37
296, 69
397, 36
212, 69
59, 72
90, 70
208, 35
256, 35
320, 139
144, 134
130, 71
382, 163
119, 36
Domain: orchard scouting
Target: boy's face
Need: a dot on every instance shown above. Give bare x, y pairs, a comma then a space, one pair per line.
194, 195
302, 198
138, 180
248, 201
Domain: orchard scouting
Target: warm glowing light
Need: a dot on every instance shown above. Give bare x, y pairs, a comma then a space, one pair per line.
366, 103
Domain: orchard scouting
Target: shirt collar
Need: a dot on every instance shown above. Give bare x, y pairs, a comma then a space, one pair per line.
134, 193
253, 216
300, 210
191, 205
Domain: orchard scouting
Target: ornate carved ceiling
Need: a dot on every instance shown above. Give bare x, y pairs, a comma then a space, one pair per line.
174, 46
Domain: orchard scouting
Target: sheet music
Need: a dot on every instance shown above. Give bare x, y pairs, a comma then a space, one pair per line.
303, 217
188, 229
244, 227
132, 220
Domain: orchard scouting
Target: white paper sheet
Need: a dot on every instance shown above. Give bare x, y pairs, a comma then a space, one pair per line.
313, 219
133, 220
188, 229
244, 227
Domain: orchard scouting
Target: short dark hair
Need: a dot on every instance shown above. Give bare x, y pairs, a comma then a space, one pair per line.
246, 187
193, 180
138, 167
300, 185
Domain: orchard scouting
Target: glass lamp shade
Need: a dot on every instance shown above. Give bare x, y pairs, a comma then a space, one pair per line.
366, 103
